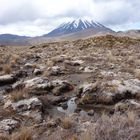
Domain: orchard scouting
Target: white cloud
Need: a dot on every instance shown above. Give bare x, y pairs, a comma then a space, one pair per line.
36, 17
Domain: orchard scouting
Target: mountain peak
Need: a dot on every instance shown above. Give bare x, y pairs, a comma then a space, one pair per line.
81, 23
76, 26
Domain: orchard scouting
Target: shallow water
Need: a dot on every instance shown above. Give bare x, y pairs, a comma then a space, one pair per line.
72, 106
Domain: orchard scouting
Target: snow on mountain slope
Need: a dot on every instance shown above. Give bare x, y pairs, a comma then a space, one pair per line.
76, 26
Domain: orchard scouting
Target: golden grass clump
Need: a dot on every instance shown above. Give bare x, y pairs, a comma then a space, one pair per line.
86, 136
131, 118
46, 73
50, 63
15, 58
66, 123
74, 137
137, 73
137, 62
111, 57
18, 95
131, 59
24, 134
4, 137
7, 69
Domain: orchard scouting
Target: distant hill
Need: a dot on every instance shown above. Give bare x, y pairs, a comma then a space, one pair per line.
10, 39
130, 33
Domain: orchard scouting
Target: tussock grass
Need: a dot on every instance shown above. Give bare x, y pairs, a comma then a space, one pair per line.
66, 123
137, 73
18, 95
7, 69
25, 133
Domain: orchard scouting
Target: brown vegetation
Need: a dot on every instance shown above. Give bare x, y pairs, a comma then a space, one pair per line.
25, 133
7, 68
18, 95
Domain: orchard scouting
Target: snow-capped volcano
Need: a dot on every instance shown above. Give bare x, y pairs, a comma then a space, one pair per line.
76, 26
80, 24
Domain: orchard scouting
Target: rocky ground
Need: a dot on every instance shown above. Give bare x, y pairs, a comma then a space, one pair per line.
81, 90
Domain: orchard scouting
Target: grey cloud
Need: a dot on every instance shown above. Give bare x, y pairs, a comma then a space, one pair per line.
74, 13
108, 12
126, 13
24, 12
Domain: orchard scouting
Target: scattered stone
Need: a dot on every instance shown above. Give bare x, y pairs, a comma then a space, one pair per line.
37, 82
18, 85
74, 62
29, 65
36, 115
5, 89
37, 71
55, 71
7, 79
59, 59
8, 125
32, 47
52, 124
108, 73
21, 74
90, 112
57, 82
89, 69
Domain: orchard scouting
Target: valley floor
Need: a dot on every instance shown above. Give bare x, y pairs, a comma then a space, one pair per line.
81, 90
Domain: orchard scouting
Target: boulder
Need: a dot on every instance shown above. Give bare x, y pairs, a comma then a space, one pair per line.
87, 88
21, 74
89, 69
61, 87
8, 125
37, 83
29, 65
90, 112
37, 71
102, 94
55, 100
74, 62
92, 94
27, 104
7, 79
56, 70
96, 98
127, 105
18, 85
131, 85
127, 89
28, 107
5, 89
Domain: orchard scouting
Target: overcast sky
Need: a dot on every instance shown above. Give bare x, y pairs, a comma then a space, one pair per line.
37, 17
